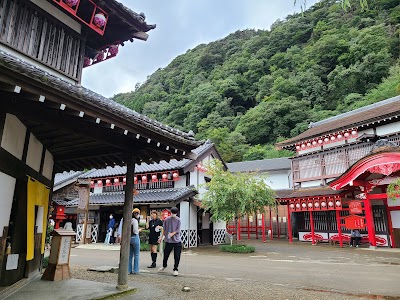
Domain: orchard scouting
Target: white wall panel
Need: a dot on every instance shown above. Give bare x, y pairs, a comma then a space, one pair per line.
388, 129
7, 187
48, 165
395, 218
13, 136
34, 156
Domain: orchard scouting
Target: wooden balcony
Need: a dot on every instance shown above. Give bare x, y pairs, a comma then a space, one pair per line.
34, 33
331, 163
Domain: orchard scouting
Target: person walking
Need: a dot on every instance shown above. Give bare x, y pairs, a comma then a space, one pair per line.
155, 225
172, 233
134, 249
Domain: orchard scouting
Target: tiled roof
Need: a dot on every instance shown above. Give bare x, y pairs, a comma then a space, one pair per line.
144, 197
88, 97
374, 112
312, 192
283, 193
273, 164
135, 16
173, 164
64, 177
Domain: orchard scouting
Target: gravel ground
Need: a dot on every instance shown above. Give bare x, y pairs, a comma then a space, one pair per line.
151, 285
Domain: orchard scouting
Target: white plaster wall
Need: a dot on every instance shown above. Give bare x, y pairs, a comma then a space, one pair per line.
219, 225
388, 129
394, 203
7, 187
188, 215
13, 136
313, 183
48, 165
181, 183
367, 131
58, 14
34, 155
309, 150
395, 218
278, 180
334, 144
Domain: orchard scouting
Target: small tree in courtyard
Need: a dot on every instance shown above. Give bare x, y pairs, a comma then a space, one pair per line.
231, 196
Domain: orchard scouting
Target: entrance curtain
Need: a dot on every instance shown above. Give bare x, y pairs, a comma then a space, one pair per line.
38, 194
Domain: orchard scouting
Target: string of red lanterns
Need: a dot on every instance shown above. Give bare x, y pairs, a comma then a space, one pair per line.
308, 204
335, 137
144, 178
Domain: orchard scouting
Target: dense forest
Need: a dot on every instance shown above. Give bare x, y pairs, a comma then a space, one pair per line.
253, 88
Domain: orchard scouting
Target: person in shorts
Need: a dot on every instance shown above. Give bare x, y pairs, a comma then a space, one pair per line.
155, 225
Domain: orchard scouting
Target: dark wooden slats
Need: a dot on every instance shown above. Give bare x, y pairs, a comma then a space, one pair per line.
31, 31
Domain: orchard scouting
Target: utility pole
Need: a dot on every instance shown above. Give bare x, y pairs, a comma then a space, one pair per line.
126, 225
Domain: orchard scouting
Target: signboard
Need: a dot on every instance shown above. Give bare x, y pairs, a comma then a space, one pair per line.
355, 207
83, 200
307, 236
354, 222
12, 262
64, 250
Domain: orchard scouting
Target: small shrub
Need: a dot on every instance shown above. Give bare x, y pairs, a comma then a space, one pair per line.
144, 247
237, 248
45, 262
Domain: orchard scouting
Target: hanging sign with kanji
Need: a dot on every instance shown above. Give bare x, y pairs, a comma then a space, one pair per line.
355, 207
354, 222
83, 197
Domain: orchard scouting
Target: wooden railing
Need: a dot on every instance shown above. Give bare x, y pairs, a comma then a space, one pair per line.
36, 34
330, 163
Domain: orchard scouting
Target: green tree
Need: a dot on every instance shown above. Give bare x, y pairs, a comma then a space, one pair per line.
230, 196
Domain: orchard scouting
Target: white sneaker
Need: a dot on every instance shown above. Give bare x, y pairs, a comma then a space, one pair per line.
175, 273
161, 269
351, 246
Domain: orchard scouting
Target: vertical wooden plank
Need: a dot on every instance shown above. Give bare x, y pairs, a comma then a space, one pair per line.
4, 6
33, 36
43, 39
10, 21
80, 61
22, 28
60, 49
30, 20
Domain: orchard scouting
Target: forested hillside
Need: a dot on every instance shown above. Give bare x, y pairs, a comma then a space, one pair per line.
253, 88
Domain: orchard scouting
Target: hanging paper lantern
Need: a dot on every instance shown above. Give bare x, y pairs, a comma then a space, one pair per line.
86, 61
354, 132
92, 182
99, 182
113, 50
326, 140
303, 146
99, 56
330, 203
346, 134
297, 205
338, 203
323, 204
298, 147
303, 205
144, 178
333, 138
154, 178
310, 204
71, 3
116, 181
99, 20
314, 143
164, 176
320, 141
308, 144
108, 181
316, 204
124, 180
292, 206
175, 175
339, 136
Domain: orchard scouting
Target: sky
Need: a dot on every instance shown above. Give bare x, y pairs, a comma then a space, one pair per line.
181, 25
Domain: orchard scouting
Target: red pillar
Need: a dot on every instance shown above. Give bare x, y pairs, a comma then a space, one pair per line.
370, 221
263, 228
256, 226
248, 227
389, 218
238, 229
289, 224
279, 229
339, 226
270, 223
312, 228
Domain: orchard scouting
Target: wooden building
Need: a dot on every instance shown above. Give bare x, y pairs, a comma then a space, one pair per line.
159, 186
340, 175
49, 123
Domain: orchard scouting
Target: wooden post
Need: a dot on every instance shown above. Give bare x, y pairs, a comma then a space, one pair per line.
312, 228
248, 227
289, 222
126, 225
339, 227
270, 223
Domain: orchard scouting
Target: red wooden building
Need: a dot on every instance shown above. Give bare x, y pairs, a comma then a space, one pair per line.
340, 175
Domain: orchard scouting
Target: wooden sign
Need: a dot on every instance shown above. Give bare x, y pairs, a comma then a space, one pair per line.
354, 222
83, 198
355, 207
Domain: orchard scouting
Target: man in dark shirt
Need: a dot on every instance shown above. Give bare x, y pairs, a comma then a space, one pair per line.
172, 233
155, 225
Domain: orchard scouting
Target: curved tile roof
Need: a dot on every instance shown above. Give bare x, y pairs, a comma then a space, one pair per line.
273, 164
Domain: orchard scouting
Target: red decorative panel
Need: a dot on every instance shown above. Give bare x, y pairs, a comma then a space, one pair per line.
354, 222
385, 169
355, 207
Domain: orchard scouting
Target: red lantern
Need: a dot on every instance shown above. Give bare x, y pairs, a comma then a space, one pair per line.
164, 177
175, 175
144, 179
99, 182
99, 20
108, 182
154, 178
134, 179
92, 183
116, 181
